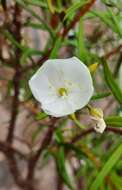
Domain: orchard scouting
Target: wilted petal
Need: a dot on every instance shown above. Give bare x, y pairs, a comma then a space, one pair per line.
100, 125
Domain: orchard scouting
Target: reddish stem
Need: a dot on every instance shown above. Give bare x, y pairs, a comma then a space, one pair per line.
16, 79
91, 130
80, 14
46, 141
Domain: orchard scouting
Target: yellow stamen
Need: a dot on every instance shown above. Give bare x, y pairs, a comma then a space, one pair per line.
93, 67
62, 91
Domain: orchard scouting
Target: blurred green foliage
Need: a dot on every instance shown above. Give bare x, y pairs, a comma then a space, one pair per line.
94, 38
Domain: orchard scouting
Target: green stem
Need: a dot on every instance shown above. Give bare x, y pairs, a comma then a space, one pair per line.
77, 122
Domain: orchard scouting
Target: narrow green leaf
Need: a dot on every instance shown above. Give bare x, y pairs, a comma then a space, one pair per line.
100, 96
82, 51
110, 19
28, 53
111, 82
107, 168
58, 136
116, 23
114, 120
58, 132
11, 38
103, 16
51, 6
37, 132
73, 8
116, 180
36, 26
77, 150
41, 116
36, 16
56, 48
28, 8
36, 3
61, 166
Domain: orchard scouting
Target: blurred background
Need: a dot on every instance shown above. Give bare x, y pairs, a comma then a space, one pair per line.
31, 31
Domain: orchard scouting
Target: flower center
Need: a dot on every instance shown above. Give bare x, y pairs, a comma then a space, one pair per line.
62, 91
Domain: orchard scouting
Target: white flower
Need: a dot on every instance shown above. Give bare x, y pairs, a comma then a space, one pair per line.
62, 86
97, 116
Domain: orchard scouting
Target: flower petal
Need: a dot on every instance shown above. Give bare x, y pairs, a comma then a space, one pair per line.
77, 73
53, 72
58, 108
41, 88
80, 99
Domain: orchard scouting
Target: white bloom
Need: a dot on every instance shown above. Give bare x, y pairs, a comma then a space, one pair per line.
62, 86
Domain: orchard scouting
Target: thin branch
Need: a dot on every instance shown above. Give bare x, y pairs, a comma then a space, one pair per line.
86, 132
39, 62
115, 130
46, 141
10, 152
60, 183
47, 54
114, 51
4, 4
16, 79
5, 147
119, 62
80, 14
